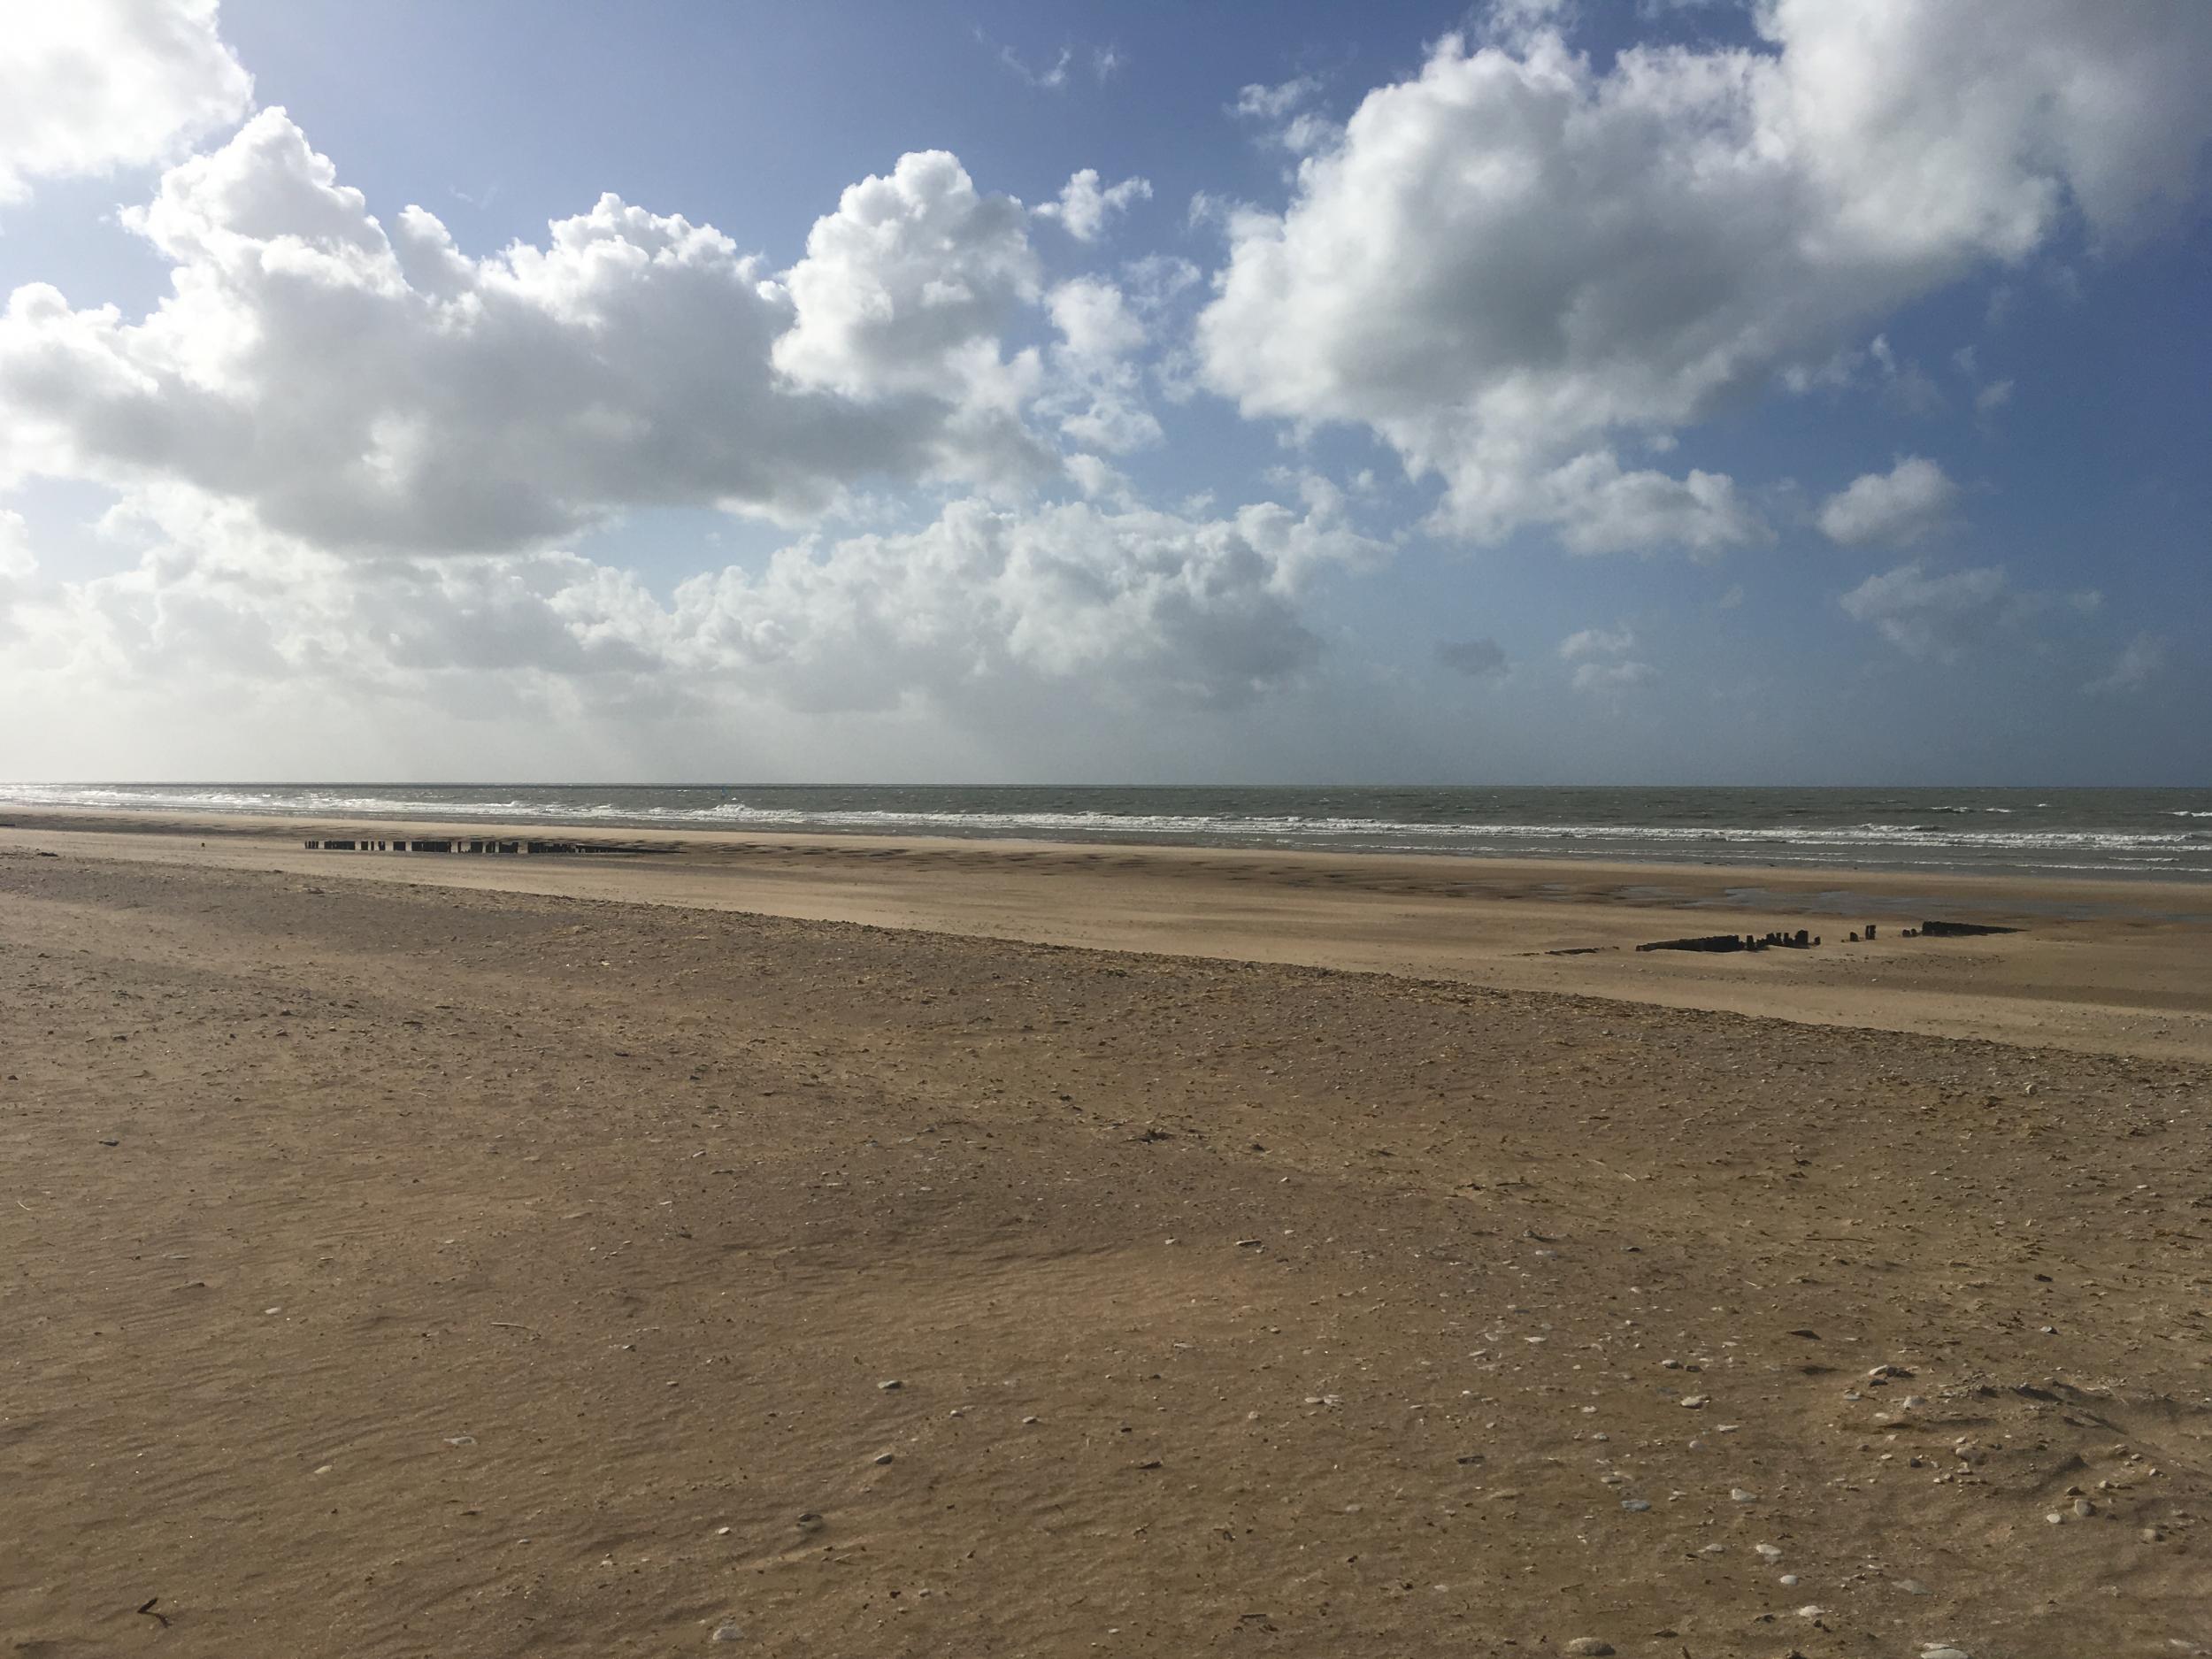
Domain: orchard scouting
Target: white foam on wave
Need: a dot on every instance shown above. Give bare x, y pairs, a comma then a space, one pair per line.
1896, 843
295, 802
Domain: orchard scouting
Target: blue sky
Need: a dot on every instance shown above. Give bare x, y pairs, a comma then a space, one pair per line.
1642, 392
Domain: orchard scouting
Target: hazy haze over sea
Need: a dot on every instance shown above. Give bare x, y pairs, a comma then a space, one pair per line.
2164, 833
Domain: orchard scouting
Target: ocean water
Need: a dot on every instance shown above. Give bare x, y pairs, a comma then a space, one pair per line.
2151, 833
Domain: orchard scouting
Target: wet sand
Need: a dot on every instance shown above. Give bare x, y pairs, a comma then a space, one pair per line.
2105, 966
486, 1256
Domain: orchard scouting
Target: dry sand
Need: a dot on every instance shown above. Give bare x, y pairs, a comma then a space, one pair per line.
450, 1256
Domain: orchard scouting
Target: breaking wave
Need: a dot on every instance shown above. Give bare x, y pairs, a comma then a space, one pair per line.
1771, 826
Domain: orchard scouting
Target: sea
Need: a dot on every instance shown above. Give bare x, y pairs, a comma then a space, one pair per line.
2081, 833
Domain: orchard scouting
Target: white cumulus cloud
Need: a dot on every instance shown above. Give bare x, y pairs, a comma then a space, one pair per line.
1601, 660
906, 286
1513, 261
1127, 605
18, 569
1084, 209
1099, 385
1931, 616
1585, 642
1895, 509
1286, 115
382, 391
89, 85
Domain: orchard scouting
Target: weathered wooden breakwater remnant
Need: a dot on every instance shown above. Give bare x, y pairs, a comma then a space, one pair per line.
1801, 940
1805, 939
485, 846
1709, 941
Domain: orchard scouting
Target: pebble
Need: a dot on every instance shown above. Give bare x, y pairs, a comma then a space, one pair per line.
1768, 1552
2084, 1507
1589, 1647
2054, 1518
1810, 1610
1635, 1506
1944, 1650
1691, 1402
891, 1386
1737, 1494
1027, 1421
811, 1522
883, 1457
1788, 1578
2151, 1535
731, 1632
460, 1439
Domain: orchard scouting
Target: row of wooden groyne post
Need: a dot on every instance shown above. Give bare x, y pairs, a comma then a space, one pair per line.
1798, 941
1803, 940
445, 844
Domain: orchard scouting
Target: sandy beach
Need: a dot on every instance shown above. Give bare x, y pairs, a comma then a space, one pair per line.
820, 1245
2103, 965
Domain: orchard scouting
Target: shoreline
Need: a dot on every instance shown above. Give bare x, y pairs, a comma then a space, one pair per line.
2111, 966
2185, 899
1742, 853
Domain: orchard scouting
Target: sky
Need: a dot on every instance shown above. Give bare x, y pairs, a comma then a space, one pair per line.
1635, 391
